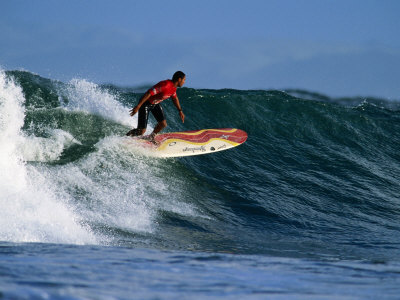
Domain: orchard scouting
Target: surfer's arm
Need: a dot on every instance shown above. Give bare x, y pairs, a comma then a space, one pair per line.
175, 100
144, 98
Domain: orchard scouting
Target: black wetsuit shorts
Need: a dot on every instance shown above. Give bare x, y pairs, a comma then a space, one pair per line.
144, 110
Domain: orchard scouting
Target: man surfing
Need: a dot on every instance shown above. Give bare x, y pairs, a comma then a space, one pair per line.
151, 102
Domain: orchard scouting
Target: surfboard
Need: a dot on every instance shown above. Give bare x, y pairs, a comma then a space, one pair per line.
196, 142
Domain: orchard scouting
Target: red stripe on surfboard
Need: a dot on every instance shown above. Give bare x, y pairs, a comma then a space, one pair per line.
237, 136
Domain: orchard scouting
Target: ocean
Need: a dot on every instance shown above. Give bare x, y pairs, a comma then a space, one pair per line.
307, 208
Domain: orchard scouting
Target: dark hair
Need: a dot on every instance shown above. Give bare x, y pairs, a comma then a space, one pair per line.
178, 75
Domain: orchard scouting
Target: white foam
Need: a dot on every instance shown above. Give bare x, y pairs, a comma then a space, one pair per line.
88, 97
11, 121
110, 193
47, 149
118, 189
32, 210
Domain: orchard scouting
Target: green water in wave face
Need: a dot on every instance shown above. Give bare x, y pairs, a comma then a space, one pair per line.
314, 174
86, 129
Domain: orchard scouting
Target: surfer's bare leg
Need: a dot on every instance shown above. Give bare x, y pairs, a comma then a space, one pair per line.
160, 126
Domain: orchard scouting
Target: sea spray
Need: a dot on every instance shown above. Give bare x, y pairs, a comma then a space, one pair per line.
49, 148
85, 96
11, 120
31, 210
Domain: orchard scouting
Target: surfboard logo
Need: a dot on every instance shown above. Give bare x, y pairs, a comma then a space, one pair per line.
194, 149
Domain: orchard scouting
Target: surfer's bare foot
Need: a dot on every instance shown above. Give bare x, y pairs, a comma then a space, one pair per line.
151, 138
134, 132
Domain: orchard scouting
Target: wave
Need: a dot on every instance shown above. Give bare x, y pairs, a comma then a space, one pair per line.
31, 209
317, 176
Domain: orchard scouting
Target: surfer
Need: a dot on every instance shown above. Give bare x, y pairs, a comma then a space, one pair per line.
151, 102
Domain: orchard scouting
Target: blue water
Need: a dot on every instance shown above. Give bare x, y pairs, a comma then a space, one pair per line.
307, 208
43, 271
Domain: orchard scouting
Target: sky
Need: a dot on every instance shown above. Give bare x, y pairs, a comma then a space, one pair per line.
335, 47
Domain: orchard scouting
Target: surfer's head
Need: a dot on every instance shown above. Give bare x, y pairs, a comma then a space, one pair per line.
179, 78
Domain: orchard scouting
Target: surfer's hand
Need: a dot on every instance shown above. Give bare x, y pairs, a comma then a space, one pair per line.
182, 116
134, 111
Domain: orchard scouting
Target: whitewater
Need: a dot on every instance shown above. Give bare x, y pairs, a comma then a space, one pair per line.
308, 207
